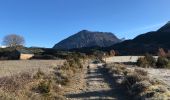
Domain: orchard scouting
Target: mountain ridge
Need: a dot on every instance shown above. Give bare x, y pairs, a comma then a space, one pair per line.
148, 42
87, 38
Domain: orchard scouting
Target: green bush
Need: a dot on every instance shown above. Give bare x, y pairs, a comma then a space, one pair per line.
147, 61
151, 60
142, 62
44, 87
162, 62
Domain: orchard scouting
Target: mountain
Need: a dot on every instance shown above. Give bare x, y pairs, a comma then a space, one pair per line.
145, 43
165, 28
87, 38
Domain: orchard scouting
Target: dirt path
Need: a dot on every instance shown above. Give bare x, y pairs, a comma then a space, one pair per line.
96, 84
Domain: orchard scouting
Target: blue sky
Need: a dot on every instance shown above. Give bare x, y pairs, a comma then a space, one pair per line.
45, 22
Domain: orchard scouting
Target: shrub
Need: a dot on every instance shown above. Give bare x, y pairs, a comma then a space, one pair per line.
151, 60
147, 61
142, 62
162, 62
133, 78
39, 74
139, 87
44, 87
74, 63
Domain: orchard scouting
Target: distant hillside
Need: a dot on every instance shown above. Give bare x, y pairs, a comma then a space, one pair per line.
86, 38
146, 43
165, 28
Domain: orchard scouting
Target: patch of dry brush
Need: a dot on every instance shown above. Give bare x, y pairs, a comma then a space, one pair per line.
138, 84
39, 86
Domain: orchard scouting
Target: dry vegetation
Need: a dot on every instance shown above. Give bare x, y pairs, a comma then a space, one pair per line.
13, 67
138, 83
149, 61
36, 79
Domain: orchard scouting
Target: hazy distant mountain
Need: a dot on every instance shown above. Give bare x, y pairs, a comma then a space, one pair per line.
87, 38
149, 42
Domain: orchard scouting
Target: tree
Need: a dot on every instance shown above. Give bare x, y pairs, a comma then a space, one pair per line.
13, 40
161, 52
168, 55
112, 53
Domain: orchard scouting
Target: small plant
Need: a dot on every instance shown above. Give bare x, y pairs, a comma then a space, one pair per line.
139, 87
142, 62
39, 74
134, 78
44, 87
60, 79
162, 62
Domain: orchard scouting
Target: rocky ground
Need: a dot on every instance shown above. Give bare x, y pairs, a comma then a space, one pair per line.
94, 83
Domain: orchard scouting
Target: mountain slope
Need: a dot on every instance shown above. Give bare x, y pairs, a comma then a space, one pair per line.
86, 38
165, 28
146, 43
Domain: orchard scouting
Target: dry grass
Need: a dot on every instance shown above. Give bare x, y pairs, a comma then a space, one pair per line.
35, 79
10, 68
139, 84
24, 86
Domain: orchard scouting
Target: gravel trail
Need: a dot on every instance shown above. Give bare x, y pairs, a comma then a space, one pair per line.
96, 84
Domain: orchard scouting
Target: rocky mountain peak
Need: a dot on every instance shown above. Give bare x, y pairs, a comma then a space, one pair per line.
87, 38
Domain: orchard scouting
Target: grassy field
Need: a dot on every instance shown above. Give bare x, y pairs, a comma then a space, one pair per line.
10, 68
36, 79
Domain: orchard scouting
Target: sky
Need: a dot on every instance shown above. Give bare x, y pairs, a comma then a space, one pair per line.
43, 23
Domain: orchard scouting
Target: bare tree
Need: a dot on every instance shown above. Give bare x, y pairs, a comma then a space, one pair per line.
13, 40
112, 53
161, 52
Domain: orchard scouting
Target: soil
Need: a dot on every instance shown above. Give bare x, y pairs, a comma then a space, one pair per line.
94, 83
